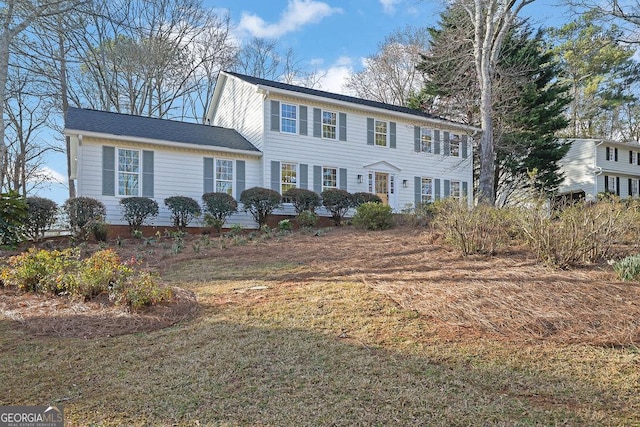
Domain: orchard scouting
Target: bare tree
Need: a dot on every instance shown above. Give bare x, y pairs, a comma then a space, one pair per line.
390, 75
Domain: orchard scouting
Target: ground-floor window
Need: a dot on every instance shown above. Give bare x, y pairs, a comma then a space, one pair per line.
224, 176
329, 178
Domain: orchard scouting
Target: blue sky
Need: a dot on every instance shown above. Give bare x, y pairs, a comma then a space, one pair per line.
330, 35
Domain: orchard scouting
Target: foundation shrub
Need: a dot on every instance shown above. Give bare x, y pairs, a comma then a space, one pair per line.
41, 215
338, 202
83, 212
302, 199
260, 203
373, 216
138, 210
362, 198
307, 219
183, 210
218, 207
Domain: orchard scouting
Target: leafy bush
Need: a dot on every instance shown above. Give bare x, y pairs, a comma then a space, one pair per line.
307, 219
481, 230
628, 268
183, 210
100, 230
41, 215
362, 198
577, 234
82, 213
13, 214
260, 203
338, 202
218, 207
373, 216
63, 272
137, 210
285, 225
303, 199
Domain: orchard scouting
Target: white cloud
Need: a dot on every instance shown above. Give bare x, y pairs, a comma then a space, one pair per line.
336, 76
297, 14
389, 6
46, 174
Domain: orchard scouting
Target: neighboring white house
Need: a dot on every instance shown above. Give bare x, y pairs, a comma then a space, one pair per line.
593, 166
270, 134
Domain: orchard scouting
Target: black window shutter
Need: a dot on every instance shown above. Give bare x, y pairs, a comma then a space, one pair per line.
608, 155
275, 116
317, 125
629, 188
303, 120
275, 176
606, 183
343, 126
630, 156
370, 132
147, 173
240, 178
615, 154
108, 171
617, 185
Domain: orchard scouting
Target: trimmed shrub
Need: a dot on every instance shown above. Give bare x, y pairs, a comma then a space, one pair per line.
82, 213
285, 225
183, 210
307, 219
338, 202
628, 268
137, 210
260, 203
13, 214
303, 199
41, 216
218, 207
373, 216
100, 230
362, 198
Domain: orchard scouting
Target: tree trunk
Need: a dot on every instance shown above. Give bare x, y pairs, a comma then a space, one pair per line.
5, 38
65, 101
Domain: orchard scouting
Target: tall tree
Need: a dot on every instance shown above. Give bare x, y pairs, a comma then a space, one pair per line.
390, 75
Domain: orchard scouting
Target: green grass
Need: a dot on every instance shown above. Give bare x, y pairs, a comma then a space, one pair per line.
312, 352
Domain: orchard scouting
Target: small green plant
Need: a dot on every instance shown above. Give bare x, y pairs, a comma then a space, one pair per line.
183, 210
137, 234
373, 216
628, 269
260, 203
218, 207
140, 293
82, 212
307, 219
100, 230
41, 215
338, 202
285, 225
362, 198
302, 199
13, 214
137, 210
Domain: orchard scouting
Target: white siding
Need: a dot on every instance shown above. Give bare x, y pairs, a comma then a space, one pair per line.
176, 173
579, 168
241, 108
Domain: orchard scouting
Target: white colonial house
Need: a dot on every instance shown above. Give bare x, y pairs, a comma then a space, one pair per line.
593, 166
275, 135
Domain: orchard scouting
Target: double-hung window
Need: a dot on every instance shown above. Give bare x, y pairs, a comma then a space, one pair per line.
329, 124
426, 140
634, 187
455, 189
329, 178
454, 145
224, 176
427, 190
128, 172
288, 118
288, 176
381, 133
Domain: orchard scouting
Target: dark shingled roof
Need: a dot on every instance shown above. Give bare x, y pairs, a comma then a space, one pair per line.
336, 96
152, 128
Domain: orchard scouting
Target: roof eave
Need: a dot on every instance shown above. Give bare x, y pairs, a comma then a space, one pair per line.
165, 143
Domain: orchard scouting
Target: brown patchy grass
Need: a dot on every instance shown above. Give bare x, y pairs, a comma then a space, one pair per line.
351, 328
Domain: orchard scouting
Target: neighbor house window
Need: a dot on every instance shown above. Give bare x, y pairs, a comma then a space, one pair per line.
381, 133
612, 154
454, 145
224, 176
611, 184
426, 140
288, 176
455, 189
329, 178
128, 172
329, 124
634, 187
288, 118
427, 190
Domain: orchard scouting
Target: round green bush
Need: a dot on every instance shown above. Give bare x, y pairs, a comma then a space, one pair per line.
362, 197
183, 210
373, 216
137, 210
83, 212
218, 207
307, 219
41, 215
338, 202
303, 199
260, 203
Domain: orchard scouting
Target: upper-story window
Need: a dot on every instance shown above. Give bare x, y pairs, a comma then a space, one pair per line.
454, 145
426, 140
224, 176
128, 172
329, 124
289, 118
612, 154
381, 133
